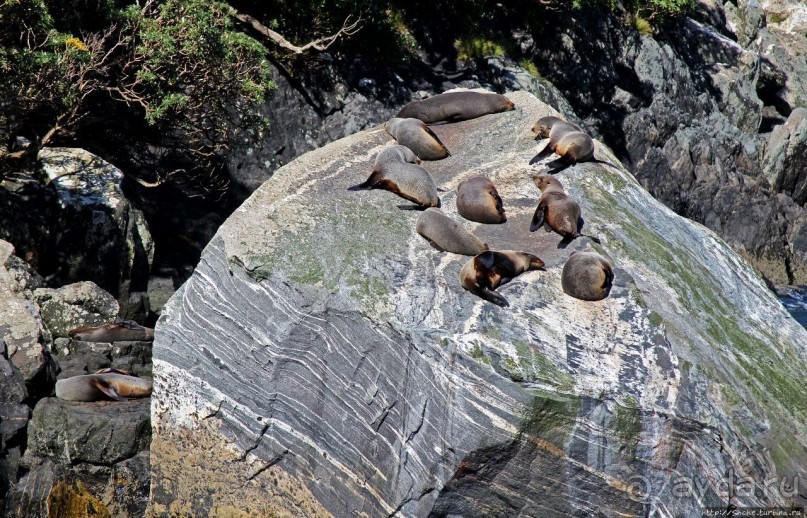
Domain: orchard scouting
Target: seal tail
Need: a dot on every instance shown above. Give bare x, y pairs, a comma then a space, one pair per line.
542, 154
604, 162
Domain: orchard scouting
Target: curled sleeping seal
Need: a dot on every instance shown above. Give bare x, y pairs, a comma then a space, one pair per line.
116, 332
587, 275
445, 233
482, 274
456, 106
106, 383
415, 135
557, 211
478, 200
568, 140
396, 171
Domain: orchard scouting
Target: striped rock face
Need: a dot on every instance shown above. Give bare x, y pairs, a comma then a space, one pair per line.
324, 359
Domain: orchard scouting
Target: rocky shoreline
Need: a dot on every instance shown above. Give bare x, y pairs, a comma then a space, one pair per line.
708, 113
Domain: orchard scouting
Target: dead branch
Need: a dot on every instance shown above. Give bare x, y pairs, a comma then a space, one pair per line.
348, 29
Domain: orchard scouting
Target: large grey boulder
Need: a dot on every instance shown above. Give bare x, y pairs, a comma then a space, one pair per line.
323, 358
75, 305
99, 235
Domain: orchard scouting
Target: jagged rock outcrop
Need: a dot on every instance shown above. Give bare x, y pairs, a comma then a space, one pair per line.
97, 234
323, 358
690, 109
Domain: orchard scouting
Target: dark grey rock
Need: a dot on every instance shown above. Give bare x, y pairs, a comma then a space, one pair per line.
98, 235
127, 492
99, 433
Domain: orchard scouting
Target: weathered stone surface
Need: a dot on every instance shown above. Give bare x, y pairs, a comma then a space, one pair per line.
75, 305
101, 433
49, 489
785, 163
327, 358
127, 492
99, 235
25, 338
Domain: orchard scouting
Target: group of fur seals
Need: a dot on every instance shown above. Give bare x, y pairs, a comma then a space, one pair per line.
456, 106
587, 275
478, 200
396, 170
447, 234
557, 211
485, 272
568, 140
116, 332
109, 383
415, 135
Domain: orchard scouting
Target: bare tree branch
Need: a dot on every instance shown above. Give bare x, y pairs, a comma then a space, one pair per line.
348, 29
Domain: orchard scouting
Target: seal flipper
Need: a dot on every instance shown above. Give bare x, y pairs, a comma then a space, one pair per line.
494, 297
370, 183
566, 240
603, 162
538, 218
545, 152
107, 389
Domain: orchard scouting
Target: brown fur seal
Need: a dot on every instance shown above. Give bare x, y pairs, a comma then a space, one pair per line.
557, 211
111, 384
485, 272
544, 126
396, 171
587, 275
478, 200
568, 140
445, 233
456, 106
415, 135
117, 332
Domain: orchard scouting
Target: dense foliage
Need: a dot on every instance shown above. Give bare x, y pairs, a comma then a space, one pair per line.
168, 83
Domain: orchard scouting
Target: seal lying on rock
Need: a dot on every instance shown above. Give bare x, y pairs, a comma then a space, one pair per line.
105, 383
396, 171
447, 234
587, 275
568, 140
478, 200
482, 274
456, 106
116, 332
557, 211
415, 135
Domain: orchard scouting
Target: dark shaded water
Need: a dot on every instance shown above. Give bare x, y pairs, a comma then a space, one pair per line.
794, 299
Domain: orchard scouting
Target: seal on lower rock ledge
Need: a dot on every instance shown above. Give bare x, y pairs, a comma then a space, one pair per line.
115, 332
482, 274
105, 383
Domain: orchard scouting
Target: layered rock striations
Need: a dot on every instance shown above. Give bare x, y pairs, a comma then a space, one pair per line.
324, 359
